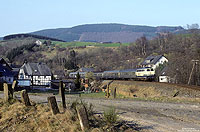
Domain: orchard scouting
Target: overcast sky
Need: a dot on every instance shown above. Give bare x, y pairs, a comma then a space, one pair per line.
22, 16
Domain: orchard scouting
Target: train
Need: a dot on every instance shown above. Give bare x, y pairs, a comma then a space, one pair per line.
145, 73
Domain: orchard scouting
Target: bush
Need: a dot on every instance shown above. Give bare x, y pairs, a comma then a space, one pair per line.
110, 116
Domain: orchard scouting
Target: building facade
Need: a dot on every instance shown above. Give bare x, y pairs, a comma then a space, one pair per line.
38, 73
154, 61
6, 74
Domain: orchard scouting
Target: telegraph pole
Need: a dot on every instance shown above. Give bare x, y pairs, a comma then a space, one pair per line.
195, 66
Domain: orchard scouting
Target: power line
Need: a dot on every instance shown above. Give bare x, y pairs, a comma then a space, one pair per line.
195, 66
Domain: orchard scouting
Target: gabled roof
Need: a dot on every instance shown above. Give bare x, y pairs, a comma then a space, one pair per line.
5, 69
164, 71
36, 69
2, 61
151, 60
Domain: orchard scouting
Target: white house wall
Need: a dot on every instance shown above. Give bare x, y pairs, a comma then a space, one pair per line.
163, 79
41, 80
162, 60
21, 74
36, 80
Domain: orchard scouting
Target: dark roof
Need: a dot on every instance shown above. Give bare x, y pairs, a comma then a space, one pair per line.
164, 71
128, 70
15, 71
5, 69
36, 69
2, 61
151, 60
114, 71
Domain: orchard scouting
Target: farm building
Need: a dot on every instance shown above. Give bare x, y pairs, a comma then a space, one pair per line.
165, 77
6, 73
68, 85
38, 73
154, 61
58, 74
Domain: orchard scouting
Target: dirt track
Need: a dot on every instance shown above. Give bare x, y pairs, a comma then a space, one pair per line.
154, 117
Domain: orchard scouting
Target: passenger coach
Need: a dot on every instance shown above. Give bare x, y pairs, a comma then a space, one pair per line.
146, 73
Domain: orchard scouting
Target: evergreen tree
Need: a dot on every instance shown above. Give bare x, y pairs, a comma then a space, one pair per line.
78, 81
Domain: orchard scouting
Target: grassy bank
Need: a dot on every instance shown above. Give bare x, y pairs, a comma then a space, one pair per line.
16, 117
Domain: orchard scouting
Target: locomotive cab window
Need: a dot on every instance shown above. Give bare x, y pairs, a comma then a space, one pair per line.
140, 70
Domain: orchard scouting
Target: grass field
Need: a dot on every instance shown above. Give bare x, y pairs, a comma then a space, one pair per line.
77, 44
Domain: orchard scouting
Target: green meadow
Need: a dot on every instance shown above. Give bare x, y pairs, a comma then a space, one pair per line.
79, 44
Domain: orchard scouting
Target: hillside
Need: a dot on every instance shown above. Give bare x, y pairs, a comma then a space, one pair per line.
22, 36
179, 49
156, 91
105, 32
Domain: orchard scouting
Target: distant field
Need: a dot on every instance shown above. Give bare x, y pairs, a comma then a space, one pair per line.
77, 44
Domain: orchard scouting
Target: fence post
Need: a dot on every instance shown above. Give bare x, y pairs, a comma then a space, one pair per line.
8, 92
53, 105
114, 92
25, 98
83, 117
62, 94
1, 86
14, 85
108, 94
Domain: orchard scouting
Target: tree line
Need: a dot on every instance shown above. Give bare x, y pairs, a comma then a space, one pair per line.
180, 50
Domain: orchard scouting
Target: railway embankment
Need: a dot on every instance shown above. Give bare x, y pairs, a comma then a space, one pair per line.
156, 91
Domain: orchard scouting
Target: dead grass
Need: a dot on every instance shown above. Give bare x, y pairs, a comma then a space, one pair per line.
16, 117
153, 91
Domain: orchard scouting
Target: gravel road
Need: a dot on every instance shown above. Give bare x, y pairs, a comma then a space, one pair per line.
152, 116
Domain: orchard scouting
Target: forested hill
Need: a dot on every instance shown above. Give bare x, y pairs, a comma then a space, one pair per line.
105, 32
21, 36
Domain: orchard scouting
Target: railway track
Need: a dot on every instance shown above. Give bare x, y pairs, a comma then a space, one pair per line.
193, 87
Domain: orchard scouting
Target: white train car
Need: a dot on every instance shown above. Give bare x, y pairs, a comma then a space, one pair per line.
145, 73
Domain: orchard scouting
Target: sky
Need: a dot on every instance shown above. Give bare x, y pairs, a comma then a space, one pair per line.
23, 16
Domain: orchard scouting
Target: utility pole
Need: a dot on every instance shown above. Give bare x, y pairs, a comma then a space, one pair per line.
195, 66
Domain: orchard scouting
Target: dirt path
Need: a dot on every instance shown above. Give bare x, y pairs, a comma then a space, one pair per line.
153, 116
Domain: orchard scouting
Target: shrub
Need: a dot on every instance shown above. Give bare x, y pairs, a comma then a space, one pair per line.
110, 116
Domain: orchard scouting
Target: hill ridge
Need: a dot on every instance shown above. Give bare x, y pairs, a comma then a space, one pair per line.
106, 32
